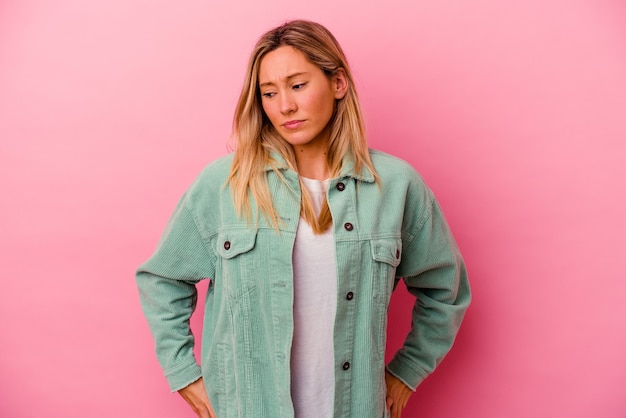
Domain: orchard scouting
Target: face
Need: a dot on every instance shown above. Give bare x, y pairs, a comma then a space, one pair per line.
298, 98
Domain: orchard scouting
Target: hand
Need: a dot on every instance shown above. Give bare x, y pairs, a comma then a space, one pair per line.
196, 396
397, 395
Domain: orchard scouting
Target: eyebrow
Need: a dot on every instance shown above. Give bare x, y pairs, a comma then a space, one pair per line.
289, 77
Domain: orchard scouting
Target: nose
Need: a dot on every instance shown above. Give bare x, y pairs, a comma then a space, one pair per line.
287, 104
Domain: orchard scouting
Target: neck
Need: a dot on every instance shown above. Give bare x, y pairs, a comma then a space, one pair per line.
312, 162
312, 157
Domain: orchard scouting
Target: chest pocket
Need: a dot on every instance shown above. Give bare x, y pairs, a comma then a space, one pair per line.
236, 250
386, 253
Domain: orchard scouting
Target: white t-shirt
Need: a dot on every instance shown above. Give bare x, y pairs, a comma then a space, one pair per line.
314, 310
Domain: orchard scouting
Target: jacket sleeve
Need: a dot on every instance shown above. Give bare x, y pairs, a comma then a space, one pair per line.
168, 294
434, 272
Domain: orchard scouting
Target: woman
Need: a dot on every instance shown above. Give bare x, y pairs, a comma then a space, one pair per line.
303, 233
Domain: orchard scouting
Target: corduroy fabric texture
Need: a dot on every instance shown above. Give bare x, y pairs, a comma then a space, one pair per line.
381, 234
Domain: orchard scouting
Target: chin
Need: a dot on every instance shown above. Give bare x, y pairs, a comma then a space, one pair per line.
297, 140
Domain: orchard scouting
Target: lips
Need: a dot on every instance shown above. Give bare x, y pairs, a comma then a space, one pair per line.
293, 124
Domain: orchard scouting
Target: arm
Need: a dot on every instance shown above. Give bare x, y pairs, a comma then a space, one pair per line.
168, 294
434, 272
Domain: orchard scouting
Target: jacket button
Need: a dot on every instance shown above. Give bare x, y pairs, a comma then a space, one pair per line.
341, 187
348, 226
227, 245
397, 253
346, 365
350, 296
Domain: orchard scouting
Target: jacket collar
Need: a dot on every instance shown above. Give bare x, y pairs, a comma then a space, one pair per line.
347, 167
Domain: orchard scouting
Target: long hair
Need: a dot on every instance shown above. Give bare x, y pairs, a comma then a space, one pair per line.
255, 138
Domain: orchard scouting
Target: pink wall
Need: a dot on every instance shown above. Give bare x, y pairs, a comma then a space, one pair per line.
514, 113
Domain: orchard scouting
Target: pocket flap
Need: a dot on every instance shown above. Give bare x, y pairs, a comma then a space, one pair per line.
233, 242
387, 250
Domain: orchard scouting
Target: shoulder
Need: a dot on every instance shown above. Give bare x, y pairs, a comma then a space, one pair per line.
207, 195
217, 168
398, 179
400, 182
391, 167
216, 172
211, 179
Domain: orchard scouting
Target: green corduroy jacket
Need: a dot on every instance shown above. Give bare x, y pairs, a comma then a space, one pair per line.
382, 233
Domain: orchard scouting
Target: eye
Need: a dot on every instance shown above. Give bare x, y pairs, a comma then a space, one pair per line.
268, 94
298, 86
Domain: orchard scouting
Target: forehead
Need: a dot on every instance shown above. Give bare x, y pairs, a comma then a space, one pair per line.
283, 62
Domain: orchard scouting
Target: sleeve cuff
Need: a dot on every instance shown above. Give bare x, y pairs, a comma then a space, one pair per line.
183, 374
406, 372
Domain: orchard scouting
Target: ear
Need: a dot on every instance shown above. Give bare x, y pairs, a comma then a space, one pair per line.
339, 83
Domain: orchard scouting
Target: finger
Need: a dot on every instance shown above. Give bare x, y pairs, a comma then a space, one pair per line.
204, 413
397, 410
389, 402
212, 413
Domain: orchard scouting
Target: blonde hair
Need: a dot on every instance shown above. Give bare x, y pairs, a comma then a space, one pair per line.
256, 138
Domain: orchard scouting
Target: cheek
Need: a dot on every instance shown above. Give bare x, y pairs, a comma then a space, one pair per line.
269, 111
321, 104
